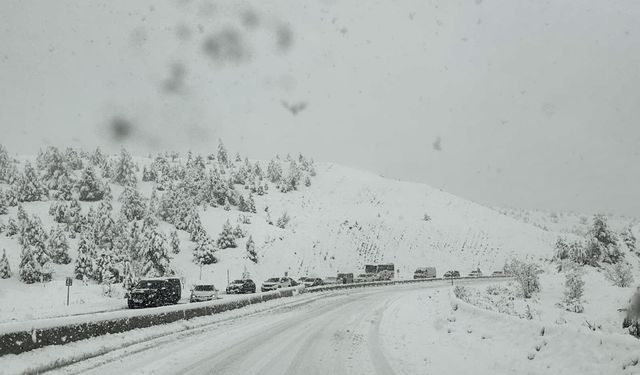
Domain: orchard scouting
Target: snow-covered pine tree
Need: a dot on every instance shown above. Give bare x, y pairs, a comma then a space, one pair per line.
242, 204
226, 238
204, 252
65, 189
4, 207
251, 250
104, 271
238, 158
223, 157
28, 186
58, 246
104, 227
34, 265
73, 159
5, 269
98, 158
238, 232
194, 225
627, 236
130, 277
8, 171
124, 172
89, 186
274, 171
307, 181
55, 168
86, 255
155, 255
227, 206
251, 204
175, 242
133, 206
606, 241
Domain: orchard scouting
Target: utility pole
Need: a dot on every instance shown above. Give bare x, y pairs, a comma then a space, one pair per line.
227, 276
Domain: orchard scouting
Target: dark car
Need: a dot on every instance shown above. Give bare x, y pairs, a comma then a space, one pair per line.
451, 274
155, 292
241, 287
312, 281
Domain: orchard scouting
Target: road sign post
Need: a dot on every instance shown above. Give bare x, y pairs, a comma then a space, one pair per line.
68, 283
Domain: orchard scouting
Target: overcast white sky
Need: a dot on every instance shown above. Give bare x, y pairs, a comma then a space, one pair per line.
535, 103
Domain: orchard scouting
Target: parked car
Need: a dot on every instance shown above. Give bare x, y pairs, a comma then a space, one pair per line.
451, 274
498, 273
155, 292
424, 273
203, 292
241, 287
475, 273
365, 278
313, 281
345, 278
331, 281
276, 283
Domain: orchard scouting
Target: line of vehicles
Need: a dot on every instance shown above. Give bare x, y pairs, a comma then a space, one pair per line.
161, 291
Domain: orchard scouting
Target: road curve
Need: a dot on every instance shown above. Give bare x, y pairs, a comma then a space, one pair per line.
339, 334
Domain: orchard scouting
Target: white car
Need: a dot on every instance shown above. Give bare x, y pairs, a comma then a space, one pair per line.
365, 278
331, 281
203, 292
276, 283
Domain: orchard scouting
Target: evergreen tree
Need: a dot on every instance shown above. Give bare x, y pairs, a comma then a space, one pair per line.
55, 168
133, 206
175, 242
238, 232
86, 254
223, 157
251, 250
242, 204
98, 158
155, 255
226, 238
28, 186
283, 220
227, 207
130, 277
124, 171
603, 241
8, 171
627, 235
238, 158
204, 252
5, 269
58, 246
89, 186
251, 204
194, 225
574, 289
274, 171
65, 189
307, 181
104, 271
34, 265
73, 159
4, 209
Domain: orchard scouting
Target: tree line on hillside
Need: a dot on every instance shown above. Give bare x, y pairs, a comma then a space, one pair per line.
126, 245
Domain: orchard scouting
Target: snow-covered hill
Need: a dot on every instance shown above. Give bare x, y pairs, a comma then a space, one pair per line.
347, 218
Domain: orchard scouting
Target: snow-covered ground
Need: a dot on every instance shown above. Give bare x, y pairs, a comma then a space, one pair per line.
347, 218
393, 330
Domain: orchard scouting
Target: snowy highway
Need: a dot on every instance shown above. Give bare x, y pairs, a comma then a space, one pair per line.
347, 332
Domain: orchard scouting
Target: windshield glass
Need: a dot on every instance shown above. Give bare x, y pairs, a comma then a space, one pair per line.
238, 282
150, 284
204, 288
273, 280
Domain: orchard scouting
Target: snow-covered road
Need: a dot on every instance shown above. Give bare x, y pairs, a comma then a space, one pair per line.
397, 330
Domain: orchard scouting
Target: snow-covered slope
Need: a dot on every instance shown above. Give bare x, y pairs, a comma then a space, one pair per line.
347, 218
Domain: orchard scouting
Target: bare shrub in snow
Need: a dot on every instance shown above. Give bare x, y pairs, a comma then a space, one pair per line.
574, 289
461, 293
619, 274
526, 274
426, 217
283, 220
